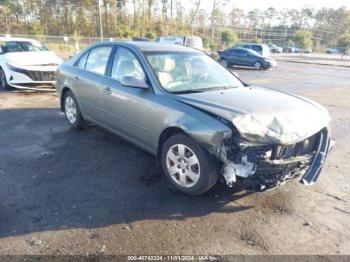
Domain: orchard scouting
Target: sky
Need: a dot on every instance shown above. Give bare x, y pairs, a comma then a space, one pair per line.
247, 5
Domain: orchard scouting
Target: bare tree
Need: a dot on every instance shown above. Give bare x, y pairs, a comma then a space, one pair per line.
236, 15
216, 4
197, 4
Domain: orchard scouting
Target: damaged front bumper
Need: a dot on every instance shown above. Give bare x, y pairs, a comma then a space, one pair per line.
266, 166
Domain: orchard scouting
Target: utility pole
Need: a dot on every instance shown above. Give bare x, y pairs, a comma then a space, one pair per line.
144, 18
100, 13
171, 9
285, 37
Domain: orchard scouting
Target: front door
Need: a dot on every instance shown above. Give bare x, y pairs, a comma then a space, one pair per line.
128, 109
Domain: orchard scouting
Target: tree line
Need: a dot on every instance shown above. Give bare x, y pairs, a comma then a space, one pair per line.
220, 26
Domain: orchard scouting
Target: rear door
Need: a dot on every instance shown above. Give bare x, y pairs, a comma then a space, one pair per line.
233, 57
89, 75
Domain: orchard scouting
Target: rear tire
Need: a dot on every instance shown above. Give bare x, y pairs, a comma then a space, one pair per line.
190, 168
3, 82
225, 63
72, 111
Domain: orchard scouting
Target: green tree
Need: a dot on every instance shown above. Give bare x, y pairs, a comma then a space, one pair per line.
257, 40
229, 38
344, 41
303, 38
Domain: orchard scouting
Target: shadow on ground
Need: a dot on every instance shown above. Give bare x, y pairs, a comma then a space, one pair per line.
55, 178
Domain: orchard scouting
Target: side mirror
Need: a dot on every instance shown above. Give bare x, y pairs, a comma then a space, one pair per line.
132, 81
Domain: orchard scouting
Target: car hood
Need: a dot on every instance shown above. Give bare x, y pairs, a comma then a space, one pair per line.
263, 115
32, 58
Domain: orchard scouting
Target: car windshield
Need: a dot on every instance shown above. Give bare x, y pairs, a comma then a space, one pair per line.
184, 72
21, 46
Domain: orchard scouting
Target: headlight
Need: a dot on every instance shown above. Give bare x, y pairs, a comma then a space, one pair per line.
14, 68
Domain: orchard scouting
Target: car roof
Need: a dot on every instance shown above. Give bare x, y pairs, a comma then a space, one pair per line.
144, 46
241, 48
250, 44
159, 47
7, 39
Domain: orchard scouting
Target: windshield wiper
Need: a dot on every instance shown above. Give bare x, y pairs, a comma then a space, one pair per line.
199, 90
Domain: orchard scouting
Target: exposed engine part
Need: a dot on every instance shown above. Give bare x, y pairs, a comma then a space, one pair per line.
273, 165
232, 170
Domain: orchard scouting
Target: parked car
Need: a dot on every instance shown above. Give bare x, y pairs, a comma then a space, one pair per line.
262, 49
333, 50
195, 116
26, 63
245, 57
302, 49
275, 49
189, 41
289, 49
136, 38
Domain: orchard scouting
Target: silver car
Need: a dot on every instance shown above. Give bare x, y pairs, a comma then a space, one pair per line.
195, 116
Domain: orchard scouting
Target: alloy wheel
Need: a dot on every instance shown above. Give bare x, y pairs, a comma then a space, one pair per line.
70, 110
257, 65
183, 165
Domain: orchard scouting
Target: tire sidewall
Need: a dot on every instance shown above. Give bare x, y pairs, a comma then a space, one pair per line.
208, 166
261, 65
6, 87
225, 63
79, 119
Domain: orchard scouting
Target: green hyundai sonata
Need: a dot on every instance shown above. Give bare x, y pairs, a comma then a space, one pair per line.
197, 118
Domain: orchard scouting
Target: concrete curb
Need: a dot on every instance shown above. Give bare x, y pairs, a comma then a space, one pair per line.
311, 63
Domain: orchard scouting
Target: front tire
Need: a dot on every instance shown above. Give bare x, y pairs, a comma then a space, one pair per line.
3, 82
258, 65
72, 111
190, 168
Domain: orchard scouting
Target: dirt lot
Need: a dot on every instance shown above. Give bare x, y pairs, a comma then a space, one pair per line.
88, 192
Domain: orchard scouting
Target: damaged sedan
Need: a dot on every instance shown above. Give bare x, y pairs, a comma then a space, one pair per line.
198, 119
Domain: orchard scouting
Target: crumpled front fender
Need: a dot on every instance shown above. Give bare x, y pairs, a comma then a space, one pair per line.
211, 135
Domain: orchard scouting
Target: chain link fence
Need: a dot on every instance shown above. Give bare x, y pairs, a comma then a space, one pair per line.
66, 46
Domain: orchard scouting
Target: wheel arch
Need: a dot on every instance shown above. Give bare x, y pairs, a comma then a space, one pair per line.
165, 135
259, 61
210, 138
64, 91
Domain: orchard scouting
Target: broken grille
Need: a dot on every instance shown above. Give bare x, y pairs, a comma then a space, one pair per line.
307, 146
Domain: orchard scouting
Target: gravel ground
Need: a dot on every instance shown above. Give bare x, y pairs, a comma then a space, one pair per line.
89, 192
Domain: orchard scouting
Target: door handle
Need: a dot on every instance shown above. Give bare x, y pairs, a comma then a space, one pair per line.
107, 90
77, 78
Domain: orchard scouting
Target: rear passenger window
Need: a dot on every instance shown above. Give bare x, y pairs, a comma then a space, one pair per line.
241, 53
232, 52
97, 59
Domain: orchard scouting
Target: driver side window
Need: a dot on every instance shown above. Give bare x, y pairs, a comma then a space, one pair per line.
126, 64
